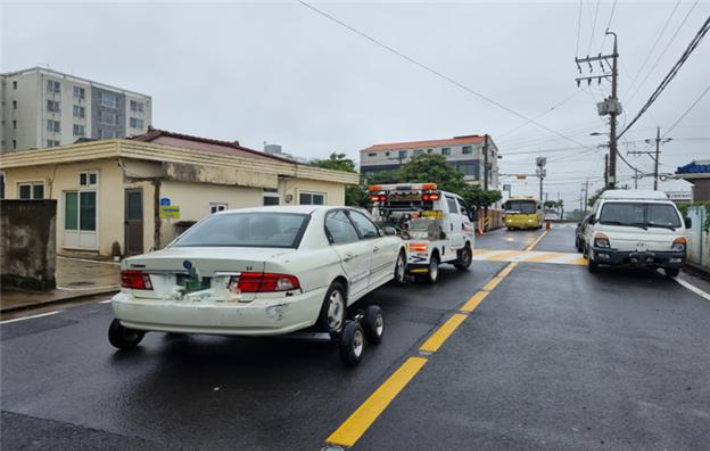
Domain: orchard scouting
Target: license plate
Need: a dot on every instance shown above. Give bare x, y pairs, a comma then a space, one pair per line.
193, 283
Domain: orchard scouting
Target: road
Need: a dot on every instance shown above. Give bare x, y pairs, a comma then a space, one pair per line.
552, 357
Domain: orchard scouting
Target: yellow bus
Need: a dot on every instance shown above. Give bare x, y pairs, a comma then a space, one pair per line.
522, 213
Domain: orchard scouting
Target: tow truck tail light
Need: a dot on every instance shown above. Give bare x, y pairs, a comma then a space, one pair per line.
680, 243
378, 198
430, 196
418, 247
429, 186
256, 282
135, 280
374, 188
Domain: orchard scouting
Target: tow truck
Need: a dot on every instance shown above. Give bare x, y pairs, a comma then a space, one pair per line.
437, 226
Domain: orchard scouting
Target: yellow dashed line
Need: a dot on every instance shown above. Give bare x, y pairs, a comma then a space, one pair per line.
359, 422
472, 303
442, 333
490, 286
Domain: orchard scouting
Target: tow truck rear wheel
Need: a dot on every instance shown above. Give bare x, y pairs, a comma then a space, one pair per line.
400, 266
432, 275
465, 258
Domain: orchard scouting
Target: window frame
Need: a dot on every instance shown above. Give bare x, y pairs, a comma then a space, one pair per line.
329, 235
103, 95
312, 193
88, 174
271, 195
350, 214
216, 207
32, 184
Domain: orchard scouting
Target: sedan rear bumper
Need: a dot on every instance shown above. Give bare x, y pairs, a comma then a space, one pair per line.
666, 259
261, 317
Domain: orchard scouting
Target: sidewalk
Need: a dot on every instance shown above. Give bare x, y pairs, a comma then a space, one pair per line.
76, 278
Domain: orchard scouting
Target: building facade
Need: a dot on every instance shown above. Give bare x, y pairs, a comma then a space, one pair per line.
465, 153
43, 108
128, 196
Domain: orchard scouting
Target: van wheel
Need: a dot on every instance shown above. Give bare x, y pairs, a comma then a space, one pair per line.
592, 266
465, 259
332, 314
122, 337
672, 272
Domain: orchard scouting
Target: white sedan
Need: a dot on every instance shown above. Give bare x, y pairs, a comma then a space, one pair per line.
258, 272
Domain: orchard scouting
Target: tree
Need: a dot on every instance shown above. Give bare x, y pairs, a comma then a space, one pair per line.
434, 169
382, 177
475, 195
592, 200
355, 195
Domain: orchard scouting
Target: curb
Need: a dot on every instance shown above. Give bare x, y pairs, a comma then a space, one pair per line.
697, 270
67, 300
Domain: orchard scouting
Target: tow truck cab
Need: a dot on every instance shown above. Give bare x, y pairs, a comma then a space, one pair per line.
437, 226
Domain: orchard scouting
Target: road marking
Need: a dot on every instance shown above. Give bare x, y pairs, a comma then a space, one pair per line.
492, 284
534, 243
443, 333
39, 315
694, 289
105, 302
472, 303
528, 256
360, 421
507, 270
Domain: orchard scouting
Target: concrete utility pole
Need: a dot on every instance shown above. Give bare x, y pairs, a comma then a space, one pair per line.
654, 154
610, 106
541, 172
606, 170
586, 196
485, 162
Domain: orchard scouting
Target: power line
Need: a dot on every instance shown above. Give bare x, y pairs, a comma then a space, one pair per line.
579, 26
690, 108
669, 77
608, 24
594, 26
665, 49
434, 71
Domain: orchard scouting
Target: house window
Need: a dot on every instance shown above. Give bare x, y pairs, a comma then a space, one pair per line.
271, 196
107, 118
14, 144
467, 150
108, 100
79, 92
53, 143
89, 178
53, 126
418, 152
14, 104
308, 198
80, 210
53, 86
30, 190
106, 134
79, 130
387, 154
402, 154
136, 123
53, 106
446, 151
79, 111
372, 155
137, 106
217, 207
14, 85
14, 125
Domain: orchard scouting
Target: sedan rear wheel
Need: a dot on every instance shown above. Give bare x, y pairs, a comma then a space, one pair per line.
332, 315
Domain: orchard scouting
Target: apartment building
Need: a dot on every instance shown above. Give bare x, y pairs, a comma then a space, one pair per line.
43, 108
465, 153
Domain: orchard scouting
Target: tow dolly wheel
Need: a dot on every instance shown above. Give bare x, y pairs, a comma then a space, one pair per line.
122, 337
352, 343
373, 324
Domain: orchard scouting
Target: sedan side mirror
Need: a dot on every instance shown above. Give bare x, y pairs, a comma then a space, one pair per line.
390, 231
688, 223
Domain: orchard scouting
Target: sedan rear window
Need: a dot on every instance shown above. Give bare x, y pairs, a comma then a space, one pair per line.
282, 230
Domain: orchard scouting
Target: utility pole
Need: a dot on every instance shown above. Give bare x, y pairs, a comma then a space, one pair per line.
606, 170
654, 154
586, 196
541, 172
610, 106
485, 178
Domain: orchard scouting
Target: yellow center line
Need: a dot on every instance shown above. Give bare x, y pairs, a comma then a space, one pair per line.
490, 286
442, 333
472, 303
507, 270
535, 243
359, 422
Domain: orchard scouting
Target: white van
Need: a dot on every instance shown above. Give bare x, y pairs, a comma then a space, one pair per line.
437, 226
638, 228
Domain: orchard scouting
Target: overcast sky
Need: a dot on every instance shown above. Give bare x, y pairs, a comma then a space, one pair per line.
281, 73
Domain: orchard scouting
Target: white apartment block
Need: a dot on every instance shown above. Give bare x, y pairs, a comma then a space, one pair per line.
465, 153
44, 108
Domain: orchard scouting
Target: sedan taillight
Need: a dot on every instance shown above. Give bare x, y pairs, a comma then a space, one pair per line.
257, 282
135, 280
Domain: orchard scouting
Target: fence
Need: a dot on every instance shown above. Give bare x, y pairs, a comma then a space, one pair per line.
698, 239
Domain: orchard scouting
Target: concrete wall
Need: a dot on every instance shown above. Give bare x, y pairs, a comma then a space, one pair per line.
27, 243
698, 239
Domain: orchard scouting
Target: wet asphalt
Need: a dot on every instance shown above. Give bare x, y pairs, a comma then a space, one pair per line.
554, 358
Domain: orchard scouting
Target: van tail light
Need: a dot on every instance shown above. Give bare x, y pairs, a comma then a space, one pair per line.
135, 280
680, 243
257, 282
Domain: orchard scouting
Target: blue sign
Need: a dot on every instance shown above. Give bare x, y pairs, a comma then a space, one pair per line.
187, 264
165, 201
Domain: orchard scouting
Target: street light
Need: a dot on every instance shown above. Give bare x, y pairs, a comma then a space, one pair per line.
598, 134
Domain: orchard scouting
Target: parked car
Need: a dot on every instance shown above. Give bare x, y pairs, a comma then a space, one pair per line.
257, 272
579, 233
437, 226
636, 227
